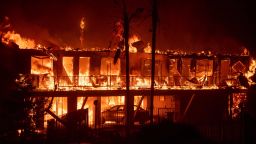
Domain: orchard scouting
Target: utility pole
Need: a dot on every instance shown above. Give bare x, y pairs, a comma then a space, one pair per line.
128, 98
154, 26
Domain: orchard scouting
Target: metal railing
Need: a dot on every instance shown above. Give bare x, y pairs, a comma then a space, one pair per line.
114, 82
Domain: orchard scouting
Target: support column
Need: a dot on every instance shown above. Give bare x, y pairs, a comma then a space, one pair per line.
40, 112
148, 97
230, 105
97, 115
130, 109
57, 70
72, 103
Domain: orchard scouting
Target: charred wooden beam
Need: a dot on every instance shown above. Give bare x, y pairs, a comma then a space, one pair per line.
84, 102
188, 105
138, 105
55, 116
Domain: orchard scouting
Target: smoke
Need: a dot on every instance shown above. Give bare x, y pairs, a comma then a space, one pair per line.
201, 25
54, 22
28, 26
219, 26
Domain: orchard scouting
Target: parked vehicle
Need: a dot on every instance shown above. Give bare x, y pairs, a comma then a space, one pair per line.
117, 114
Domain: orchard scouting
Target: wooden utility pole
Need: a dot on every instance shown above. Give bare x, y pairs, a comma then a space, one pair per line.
154, 26
128, 97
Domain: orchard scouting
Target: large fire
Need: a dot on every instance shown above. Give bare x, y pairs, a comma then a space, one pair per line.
109, 77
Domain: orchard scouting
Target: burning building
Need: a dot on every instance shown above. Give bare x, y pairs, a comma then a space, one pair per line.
78, 79
195, 88
87, 87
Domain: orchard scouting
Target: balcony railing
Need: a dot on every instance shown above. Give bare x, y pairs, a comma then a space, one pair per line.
114, 82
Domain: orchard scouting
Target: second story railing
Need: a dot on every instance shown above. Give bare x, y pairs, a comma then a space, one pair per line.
114, 82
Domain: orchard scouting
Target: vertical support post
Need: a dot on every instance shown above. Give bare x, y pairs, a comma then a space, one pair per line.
27, 69
57, 70
97, 115
72, 103
230, 105
218, 69
40, 112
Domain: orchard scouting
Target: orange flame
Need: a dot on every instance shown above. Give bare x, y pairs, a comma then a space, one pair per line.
43, 67
89, 105
84, 72
133, 39
148, 49
82, 23
251, 71
23, 43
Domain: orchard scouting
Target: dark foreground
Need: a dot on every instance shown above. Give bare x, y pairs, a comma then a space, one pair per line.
230, 132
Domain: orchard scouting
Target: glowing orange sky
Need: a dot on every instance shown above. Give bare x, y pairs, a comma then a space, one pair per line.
220, 25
